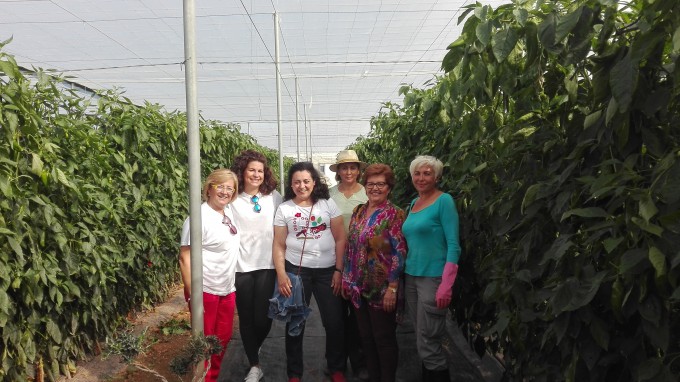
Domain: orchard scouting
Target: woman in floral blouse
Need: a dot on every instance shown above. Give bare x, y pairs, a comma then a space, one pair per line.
373, 267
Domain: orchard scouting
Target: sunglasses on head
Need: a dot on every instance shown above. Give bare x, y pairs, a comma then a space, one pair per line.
232, 228
257, 207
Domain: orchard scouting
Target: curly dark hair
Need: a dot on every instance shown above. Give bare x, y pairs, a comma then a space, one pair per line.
241, 164
320, 190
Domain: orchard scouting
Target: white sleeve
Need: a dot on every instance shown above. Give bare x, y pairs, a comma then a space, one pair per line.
185, 239
333, 209
279, 219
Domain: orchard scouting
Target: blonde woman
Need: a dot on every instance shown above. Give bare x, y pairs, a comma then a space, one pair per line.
219, 253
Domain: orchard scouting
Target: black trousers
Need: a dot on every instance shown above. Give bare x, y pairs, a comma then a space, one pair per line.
252, 303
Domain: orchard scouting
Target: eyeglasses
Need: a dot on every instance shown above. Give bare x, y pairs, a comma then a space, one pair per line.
257, 207
378, 185
222, 188
232, 228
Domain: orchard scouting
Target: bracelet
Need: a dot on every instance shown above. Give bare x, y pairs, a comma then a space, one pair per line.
393, 289
337, 270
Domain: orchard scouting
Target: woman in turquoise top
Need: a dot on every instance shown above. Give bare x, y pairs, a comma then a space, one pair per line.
431, 232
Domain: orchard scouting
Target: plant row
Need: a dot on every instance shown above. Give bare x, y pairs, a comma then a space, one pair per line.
559, 126
94, 191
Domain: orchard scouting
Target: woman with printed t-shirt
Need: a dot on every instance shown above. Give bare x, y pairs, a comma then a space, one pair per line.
309, 219
254, 211
219, 253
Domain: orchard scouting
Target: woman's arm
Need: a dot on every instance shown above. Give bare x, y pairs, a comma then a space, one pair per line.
185, 269
279, 257
340, 237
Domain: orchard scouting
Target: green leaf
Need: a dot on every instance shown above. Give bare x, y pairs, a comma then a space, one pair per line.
622, 82
503, 43
567, 24
61, 177
546, 31
479, 168
676, 295
649, 227
590, 212
36, 165
600, 332
649, 369
53, 330
612, 110
521, 15
631, 259
647, 208
658, 261
16, 246
616, 299
483, 32
676, 41
611, 243
530, 195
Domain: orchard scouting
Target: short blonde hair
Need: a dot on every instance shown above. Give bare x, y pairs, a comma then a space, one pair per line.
429, 161
219, 176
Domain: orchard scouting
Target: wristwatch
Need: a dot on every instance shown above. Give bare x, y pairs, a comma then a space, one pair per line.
393, 289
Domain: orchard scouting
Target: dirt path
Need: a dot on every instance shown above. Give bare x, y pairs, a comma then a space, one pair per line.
98, 369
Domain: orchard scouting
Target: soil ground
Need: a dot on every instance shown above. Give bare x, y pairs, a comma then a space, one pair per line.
465, 365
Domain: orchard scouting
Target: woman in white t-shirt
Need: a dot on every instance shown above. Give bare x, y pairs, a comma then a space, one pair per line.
309, 218
219, 253
254, 211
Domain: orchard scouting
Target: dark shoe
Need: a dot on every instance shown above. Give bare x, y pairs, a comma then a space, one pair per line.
440, 375
362, 375
425, 373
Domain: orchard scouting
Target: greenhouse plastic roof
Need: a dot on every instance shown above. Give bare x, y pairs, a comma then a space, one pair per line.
349, 57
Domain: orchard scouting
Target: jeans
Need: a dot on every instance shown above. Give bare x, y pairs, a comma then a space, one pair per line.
252, 302
317, 282
378, 331
218, 320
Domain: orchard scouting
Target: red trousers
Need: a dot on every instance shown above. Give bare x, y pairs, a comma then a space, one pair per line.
218, 320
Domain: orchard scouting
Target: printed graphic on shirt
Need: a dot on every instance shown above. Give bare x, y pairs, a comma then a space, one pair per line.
316, 226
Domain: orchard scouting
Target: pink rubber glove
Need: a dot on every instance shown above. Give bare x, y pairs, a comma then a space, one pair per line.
443, 295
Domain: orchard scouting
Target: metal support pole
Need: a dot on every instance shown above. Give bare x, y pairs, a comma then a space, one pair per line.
278, 98
297, 120
194, 147
306, 144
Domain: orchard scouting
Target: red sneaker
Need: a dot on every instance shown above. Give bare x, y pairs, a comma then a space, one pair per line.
293, 379
338, 376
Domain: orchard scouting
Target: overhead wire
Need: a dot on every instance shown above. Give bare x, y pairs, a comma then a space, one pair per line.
265, 46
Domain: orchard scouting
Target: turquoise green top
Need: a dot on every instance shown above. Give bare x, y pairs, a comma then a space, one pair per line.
346, 204
432, 237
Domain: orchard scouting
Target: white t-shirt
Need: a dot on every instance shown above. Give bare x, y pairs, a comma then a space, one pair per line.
256, 230
320, 246
219, 251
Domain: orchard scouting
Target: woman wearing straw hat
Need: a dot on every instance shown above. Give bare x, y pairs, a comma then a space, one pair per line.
348, 194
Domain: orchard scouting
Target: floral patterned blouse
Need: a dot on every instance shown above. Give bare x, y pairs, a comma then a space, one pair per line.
375, 254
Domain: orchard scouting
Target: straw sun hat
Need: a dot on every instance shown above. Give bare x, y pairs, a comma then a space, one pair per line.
347, 156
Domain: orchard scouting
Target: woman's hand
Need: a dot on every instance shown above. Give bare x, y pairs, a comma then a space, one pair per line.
389, 300
336, 283
285, 286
